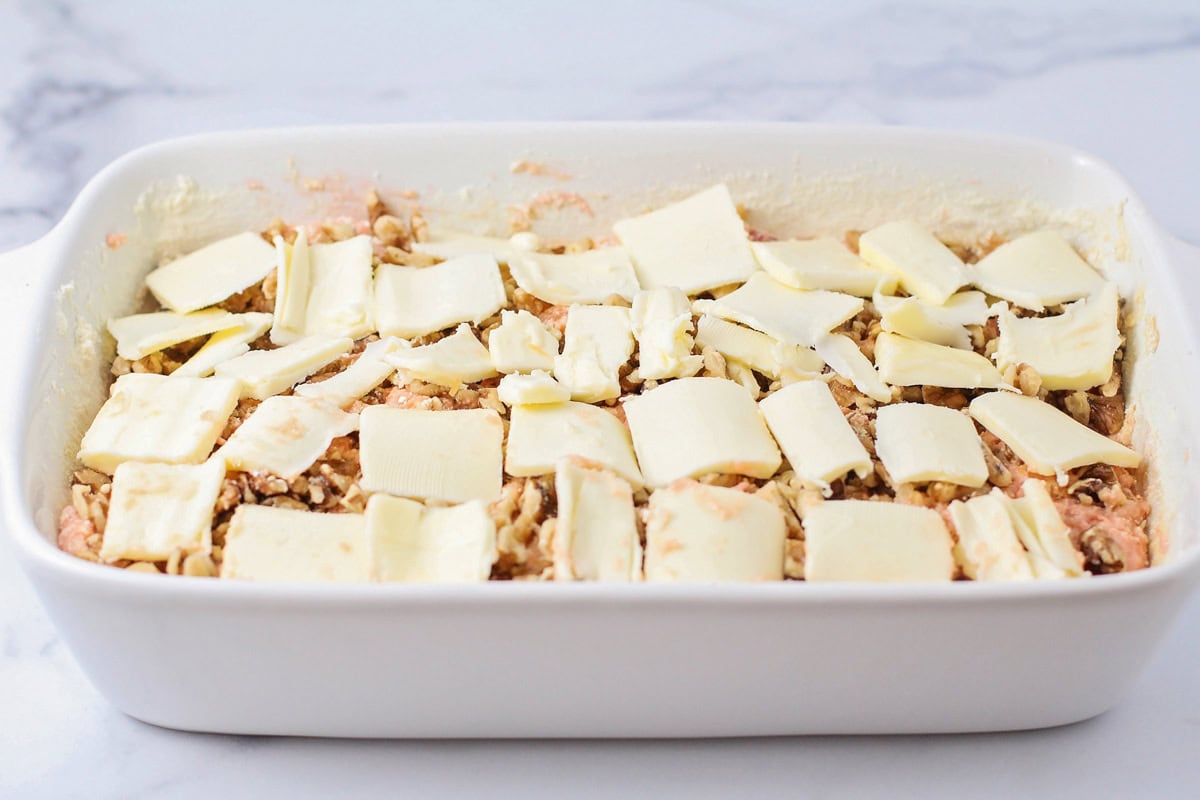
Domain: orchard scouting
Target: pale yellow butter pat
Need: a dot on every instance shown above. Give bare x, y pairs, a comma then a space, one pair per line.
457, 359
521, 343
285, 435
814, 435
844, 357
696, 532
407, 542
225, 345
596, 534
326, 289
368, 371
536, 388
592, 276
263, 373
988, 548
790, 315
944, 324
662, 325
1036, 270
696, 244
156, 509
293, 281
1049, 441
821, 264
540, 436
283, 544
453, 456
692, 426
926, 267
209, 275
597, 343
139, 335
908, 362
1043, 530
748, 346
451, 244
918, 442
861, 540
158, 418
1073, 350
415, 301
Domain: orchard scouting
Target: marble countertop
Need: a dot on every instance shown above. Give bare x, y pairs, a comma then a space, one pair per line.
82, 83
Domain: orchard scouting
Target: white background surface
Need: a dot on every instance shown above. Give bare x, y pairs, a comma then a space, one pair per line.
82, 83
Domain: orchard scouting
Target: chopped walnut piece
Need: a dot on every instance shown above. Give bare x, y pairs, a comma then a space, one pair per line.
950, 398
418, 226
391, 231
1076, 404
1107, 413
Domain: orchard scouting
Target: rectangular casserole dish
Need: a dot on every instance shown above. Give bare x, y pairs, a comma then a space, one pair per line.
514, 659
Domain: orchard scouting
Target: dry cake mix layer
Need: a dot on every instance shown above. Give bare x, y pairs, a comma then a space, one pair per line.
686, 400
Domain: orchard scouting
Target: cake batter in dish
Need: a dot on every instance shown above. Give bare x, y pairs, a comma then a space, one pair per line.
689, 400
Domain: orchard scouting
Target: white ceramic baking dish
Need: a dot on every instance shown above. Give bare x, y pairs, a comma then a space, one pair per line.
590, 660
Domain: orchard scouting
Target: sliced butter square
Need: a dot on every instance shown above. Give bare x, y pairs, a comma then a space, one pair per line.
696, 532
918, 443
415, 301
926, 267
139, 335
662, 325
821, 264
449, 244
453, 456
541, 436
944, 324
748, 346
1036, 270
814, 435
536, 388
521, 343
790, 315
1073, 350
696, 244
988, 548
861, 540
596, 534
452, 361
263, 373
225, 345
158, 418
341, 301
1043, 531
1049, 441
908, 362
285, 435
293, 281
211, 274
592, 276
283, 544
368, 371
692, 426
845, 358
410, 543
156, 509
598, 341
323, 289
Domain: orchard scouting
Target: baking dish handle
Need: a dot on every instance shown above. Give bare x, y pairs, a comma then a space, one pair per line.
24, 270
